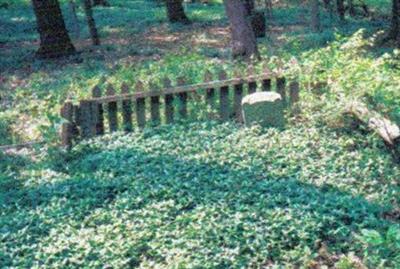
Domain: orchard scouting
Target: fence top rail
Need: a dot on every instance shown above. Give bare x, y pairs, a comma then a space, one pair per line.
182, 89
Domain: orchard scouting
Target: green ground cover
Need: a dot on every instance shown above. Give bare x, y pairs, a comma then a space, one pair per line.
182, 196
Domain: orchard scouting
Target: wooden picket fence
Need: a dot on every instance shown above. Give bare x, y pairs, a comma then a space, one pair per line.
112, 112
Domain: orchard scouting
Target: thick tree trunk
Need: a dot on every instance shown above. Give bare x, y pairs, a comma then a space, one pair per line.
244, 44
54, 39
175, 11
315, 16
91, 22
249, 5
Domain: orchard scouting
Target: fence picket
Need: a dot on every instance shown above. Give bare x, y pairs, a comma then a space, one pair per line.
67, 128
140, 107
210, 93
155, 106
96, 92
183, 113
126, 110
224, 107
88, 125
169, 103
112, 111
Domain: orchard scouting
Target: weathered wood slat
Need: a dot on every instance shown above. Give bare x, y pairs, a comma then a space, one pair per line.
155, 106
181, 89
112, 110
169, 103
126, 110
140, 106
67, 128
96, 92
183, 97
87, 124
224, 107
237, 102
210, 93
294, 92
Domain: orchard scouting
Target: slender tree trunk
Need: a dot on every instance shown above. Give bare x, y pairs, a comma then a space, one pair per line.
54, 38
341, 9
175, 11
395, 27
91, 22
244, 44
315, 16
75, 21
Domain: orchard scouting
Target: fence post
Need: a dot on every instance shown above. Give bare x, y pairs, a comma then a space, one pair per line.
224, 98
96, 92
140, 107
112, 110
67, 128
126, 110
169, 102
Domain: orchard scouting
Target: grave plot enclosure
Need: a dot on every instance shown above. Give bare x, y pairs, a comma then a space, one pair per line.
130, 107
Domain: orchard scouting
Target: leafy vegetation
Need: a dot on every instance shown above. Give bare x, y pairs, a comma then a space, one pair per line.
183, 196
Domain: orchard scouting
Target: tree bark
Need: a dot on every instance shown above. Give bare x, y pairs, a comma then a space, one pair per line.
91, 23
395, 27
315, 16
341, 9
244, 44
175, 12
386, 129
54, 38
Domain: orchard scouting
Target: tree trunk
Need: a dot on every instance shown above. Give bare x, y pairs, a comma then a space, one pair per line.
54, 38
341, 9
75, 21
175, 11
91, 22
395, 28
244, 44
315, 16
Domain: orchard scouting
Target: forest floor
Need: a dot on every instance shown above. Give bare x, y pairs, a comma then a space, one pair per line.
200, 194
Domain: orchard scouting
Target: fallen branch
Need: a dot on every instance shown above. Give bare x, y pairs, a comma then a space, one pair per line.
387, 130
